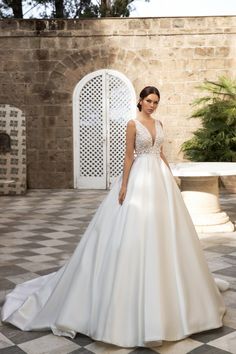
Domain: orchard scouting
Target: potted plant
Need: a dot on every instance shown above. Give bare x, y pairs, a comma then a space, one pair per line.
215, 140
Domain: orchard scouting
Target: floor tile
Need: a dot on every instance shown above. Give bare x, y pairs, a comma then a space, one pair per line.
81, 351
57, 235
207, 349
39, 258
12, 270
208, 336
143, 351
17, 337
21, 278
227, 343
221, 248
9, 242
35, 267
48, 344
52, 243
5, 342
12, 350
229, 271
229, 298
103, 348
82, 339
48, 250
230, 259
230, 318
179, 347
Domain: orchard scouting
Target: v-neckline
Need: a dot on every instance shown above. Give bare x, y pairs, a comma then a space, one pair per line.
153, 138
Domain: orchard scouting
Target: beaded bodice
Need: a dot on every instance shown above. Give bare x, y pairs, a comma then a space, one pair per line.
144, 143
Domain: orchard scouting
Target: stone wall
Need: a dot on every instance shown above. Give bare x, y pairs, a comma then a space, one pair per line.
41, 61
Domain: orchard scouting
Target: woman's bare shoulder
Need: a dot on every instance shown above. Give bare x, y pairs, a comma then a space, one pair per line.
131, 123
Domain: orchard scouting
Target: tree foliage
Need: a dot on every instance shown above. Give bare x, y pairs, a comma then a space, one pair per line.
216, 139
67, 8
11, 8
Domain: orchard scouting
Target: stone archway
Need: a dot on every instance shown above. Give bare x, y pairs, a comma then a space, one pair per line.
56, 108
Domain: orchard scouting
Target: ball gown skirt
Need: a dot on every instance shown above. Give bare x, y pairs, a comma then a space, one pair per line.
137, 277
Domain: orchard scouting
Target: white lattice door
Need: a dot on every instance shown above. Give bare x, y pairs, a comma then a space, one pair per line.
103, 103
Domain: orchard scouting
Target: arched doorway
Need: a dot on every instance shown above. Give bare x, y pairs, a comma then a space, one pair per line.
103, 102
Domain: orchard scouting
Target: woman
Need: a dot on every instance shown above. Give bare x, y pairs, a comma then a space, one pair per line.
138, 276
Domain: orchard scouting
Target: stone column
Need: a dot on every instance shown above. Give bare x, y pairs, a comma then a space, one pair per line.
201, 196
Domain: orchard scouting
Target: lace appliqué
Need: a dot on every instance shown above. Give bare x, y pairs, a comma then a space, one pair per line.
144, 141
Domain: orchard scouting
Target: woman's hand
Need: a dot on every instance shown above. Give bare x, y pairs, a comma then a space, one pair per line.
122, 194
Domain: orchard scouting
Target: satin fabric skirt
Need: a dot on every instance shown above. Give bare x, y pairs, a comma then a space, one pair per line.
137, 277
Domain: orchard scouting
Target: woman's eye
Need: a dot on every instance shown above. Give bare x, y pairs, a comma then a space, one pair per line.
150, 101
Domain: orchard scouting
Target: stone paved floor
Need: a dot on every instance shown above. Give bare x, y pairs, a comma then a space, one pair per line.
39, 231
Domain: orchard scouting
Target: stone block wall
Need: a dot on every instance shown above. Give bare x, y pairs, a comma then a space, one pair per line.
41, 61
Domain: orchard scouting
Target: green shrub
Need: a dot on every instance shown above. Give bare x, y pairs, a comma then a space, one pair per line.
216, 139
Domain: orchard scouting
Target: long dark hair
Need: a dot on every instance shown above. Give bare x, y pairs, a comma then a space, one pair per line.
145, 92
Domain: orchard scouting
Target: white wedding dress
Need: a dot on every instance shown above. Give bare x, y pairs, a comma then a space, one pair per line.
137, 277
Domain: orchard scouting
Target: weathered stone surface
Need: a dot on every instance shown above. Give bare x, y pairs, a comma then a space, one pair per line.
27, 25
229, 183
46, 65
165, 23
8, 25
74, 25
41, 61
41, 54
222, 51
178, 22
207, 51
69, 63
139, 24
40, 26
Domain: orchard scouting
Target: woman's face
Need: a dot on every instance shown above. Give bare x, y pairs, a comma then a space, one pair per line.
149, 103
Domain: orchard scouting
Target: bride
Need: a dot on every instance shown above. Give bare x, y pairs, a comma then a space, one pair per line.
138, 276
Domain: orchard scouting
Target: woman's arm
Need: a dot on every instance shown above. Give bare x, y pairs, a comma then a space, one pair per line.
129, 158
164, 158
162, 153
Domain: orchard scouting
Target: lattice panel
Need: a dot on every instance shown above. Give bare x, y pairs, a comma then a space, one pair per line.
120, 111
13, 163
91, 128
103, 104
